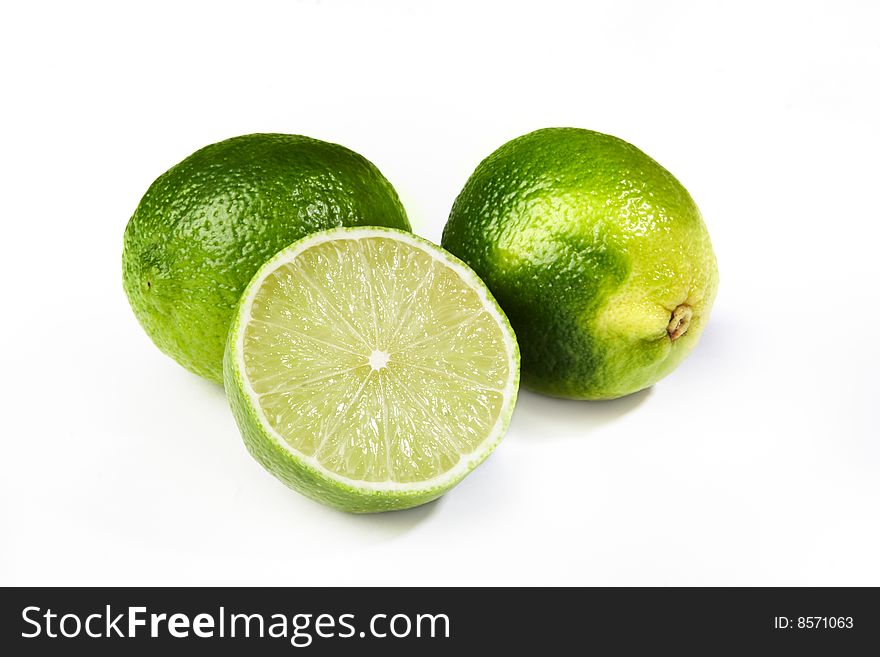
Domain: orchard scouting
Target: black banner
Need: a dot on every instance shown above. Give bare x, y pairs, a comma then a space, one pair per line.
325, 621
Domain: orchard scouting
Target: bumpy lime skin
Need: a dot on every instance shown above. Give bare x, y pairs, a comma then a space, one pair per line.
294, 471
206, 225
589, 245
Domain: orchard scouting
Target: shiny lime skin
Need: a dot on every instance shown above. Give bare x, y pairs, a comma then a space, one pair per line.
207, 224
589, 246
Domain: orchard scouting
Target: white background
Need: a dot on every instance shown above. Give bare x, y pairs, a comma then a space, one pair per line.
756, 462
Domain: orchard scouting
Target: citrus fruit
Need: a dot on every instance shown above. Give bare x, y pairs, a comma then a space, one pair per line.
598, 255
206, 225
369, 369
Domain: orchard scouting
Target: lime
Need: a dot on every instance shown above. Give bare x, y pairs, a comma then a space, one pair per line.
598, 255
369, 369
206, 225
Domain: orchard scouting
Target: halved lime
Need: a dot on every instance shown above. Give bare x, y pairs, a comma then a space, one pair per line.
370, 369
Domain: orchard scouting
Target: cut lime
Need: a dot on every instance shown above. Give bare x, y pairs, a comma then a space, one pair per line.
370, 369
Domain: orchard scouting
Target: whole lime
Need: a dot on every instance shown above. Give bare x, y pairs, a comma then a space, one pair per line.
597, 254
207, 224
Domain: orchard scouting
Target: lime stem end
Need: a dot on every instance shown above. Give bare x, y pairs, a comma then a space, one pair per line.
679, 322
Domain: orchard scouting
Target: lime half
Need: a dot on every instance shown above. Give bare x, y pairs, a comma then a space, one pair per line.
370, 369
